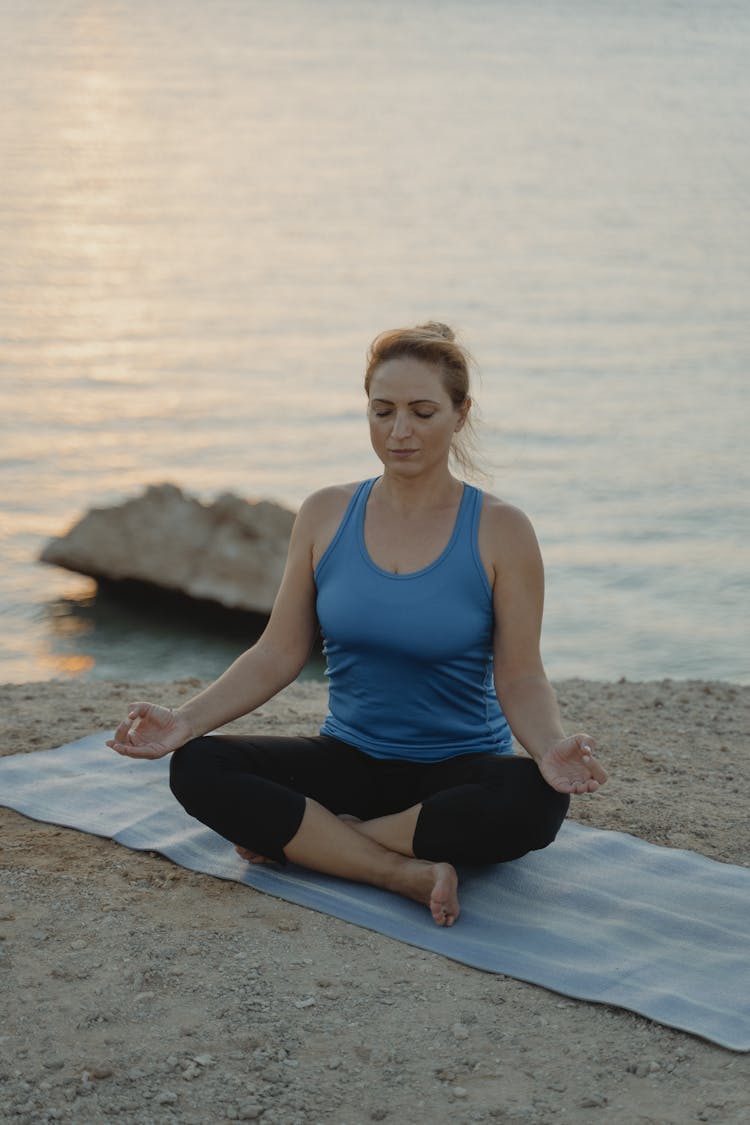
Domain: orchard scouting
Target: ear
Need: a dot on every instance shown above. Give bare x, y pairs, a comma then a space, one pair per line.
463, 414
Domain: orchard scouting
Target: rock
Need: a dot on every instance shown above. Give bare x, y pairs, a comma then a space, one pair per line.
166, 1097
231, 552
100, 1072
250, 1111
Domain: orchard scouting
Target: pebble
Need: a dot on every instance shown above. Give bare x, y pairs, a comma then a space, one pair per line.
166, 1097
307, 1003
144, 996
203, 1060
79, 943
101, 1071
459, 1092
593, 1101
250, 1111
460, 1031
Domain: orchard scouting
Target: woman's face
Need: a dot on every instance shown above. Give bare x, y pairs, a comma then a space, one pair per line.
412, 418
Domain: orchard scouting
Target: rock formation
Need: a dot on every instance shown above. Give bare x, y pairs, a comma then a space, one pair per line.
231, 552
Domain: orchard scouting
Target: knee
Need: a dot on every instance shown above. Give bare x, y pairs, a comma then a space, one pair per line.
479, 825
186, 770
530, 828
550, 811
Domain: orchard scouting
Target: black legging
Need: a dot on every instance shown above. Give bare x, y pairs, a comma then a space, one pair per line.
476, 808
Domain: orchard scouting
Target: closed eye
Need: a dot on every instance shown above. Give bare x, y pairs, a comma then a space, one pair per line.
418, 413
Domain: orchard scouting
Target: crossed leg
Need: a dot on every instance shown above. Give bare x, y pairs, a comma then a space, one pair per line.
325, 842
284, 798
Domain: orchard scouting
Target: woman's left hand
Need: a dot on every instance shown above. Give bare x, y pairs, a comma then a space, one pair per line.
570, 766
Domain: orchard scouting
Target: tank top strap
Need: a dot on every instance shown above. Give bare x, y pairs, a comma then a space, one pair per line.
350, 521
467, 527
467, 520
466, 531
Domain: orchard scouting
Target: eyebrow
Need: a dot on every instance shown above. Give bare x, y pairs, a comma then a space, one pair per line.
413, 402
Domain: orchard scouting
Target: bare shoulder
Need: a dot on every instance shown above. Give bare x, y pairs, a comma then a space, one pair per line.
506, 536
326, 503
320, 515
504, 521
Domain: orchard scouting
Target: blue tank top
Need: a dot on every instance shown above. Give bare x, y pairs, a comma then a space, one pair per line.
409, 656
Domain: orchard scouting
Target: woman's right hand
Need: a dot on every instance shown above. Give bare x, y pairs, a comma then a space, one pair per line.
150, 731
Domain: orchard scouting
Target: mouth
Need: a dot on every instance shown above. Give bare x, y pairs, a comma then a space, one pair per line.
402, 452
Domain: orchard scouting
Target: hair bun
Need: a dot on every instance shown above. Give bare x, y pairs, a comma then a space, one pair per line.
437, 328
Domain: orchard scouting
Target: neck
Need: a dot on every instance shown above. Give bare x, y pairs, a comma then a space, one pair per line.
428, 490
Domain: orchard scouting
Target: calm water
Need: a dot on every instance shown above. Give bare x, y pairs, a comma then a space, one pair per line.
208, 210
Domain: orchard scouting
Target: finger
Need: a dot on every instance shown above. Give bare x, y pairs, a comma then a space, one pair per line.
589, 759
564, 785
122, 731
587, 746
134, 729
576, 787
598, 774
127, 750
137, 710
118, 746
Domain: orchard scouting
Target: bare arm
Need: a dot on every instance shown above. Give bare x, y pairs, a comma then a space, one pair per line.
150, 731
525, 694
280, 653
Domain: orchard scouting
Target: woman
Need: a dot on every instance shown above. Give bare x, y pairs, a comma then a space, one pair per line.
429, 596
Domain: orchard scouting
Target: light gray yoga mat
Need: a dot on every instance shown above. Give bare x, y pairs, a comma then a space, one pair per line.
598, 916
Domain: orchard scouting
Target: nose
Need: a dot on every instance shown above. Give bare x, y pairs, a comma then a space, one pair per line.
401, 425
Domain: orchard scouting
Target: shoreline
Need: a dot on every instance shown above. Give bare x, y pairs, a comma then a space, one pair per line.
138, 991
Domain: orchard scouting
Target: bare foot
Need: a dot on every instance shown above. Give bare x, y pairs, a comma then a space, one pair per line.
251, 857
444, 895
435, 885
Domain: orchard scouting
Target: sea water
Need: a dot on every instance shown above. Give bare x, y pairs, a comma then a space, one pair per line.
208, 210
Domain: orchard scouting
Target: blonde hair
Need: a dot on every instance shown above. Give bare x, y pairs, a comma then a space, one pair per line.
434, 343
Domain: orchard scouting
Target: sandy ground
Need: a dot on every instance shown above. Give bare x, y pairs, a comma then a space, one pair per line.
134, 991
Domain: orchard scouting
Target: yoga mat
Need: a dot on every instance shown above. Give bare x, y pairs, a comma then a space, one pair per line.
598, 916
